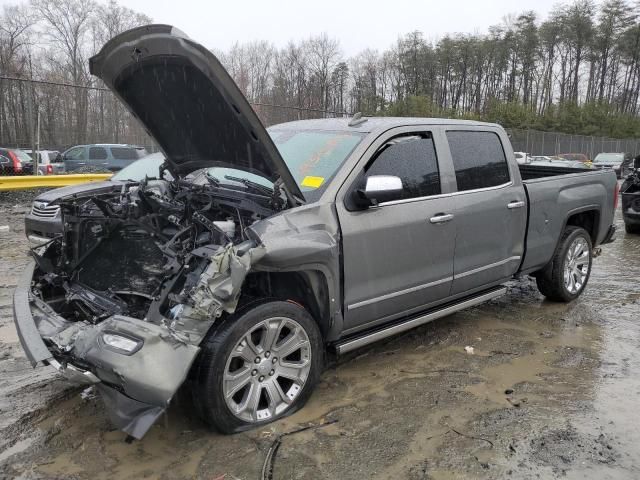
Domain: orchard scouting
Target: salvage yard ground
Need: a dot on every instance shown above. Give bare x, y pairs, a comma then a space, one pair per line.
550, 390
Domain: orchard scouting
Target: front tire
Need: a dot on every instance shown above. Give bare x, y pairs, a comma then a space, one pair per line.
566, 276
259, 365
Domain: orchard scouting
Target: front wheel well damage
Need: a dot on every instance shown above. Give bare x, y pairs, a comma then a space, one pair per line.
307, 288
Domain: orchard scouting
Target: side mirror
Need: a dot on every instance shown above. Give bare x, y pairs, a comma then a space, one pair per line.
378, 189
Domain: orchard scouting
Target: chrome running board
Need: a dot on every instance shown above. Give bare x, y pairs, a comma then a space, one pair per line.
353, 343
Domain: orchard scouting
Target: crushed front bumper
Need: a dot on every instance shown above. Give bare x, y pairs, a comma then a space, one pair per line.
137, 387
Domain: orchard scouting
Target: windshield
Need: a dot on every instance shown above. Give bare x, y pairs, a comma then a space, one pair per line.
22, 156
609, 158
148, 166
314, 156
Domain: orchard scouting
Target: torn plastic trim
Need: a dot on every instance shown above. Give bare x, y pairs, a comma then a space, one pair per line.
217, 291
74, 374
28, 333
131, 416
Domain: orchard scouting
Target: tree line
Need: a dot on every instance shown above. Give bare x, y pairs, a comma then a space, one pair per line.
575, 71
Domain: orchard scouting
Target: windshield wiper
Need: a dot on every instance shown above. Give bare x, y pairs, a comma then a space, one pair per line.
253, 185
212, 180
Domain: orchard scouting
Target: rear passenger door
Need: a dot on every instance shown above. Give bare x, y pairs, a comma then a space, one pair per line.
98, 158
398, 255
491, 213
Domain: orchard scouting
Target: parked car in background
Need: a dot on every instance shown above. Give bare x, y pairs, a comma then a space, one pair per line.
49, 161
574, 157
522, 157
618, 162
101, 157
44, 222
630, 192
15, 162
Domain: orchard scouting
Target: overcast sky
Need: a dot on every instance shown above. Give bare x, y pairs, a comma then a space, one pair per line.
358, 24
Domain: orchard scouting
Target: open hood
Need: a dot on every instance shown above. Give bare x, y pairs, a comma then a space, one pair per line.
188, 103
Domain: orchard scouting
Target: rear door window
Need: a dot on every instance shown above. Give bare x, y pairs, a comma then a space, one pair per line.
97, 153
124, 153
413, 159
478, 159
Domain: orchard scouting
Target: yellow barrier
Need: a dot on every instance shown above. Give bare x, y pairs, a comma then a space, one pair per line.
37, 181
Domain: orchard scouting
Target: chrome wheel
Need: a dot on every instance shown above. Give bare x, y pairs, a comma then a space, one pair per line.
267, 369
576, 265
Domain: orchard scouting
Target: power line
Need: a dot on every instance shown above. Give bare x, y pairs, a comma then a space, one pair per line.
103, 89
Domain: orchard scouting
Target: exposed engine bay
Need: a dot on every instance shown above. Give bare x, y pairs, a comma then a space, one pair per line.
151, 250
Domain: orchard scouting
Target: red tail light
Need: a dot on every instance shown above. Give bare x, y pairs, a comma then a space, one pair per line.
616, 193
49, 169
17, 165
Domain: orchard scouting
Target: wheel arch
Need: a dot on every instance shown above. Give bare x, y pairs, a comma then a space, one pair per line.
588, 218
309, 288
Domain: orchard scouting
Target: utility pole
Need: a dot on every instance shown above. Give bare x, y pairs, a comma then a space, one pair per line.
36, 158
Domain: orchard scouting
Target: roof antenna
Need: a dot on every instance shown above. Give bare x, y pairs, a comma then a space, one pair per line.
357, 120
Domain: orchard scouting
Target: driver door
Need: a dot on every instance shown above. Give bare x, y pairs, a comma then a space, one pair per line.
398, 255
75, 159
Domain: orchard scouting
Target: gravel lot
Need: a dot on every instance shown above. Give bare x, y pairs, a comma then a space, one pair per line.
551, 390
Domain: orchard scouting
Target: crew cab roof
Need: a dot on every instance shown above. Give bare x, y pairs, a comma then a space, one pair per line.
375, 123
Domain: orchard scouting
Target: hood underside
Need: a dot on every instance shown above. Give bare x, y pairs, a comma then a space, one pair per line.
188, 103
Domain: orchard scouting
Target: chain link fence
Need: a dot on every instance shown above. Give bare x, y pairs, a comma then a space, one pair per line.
54, 116
535, 142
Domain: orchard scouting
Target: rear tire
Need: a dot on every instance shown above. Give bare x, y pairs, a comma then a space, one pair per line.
566, 276
259, 365
632, 229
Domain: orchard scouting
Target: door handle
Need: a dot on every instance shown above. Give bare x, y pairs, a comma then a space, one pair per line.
515, 204
441, 218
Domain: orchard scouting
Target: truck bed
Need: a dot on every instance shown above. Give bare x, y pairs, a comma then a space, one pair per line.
554, 195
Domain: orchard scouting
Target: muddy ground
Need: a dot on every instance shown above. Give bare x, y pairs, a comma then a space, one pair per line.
550, 391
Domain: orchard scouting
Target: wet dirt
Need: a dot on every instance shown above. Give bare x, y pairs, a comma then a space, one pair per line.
551, 390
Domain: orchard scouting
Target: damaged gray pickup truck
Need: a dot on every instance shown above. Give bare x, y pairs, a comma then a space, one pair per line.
253, 251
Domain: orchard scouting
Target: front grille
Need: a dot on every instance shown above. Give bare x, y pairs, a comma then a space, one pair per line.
41, 209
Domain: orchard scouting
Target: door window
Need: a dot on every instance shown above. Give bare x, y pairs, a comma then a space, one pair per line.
75, 154
97, 153
124, 153
413, 159
478, 159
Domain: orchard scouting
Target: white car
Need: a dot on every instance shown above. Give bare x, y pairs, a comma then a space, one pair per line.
49, 161
522, 157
